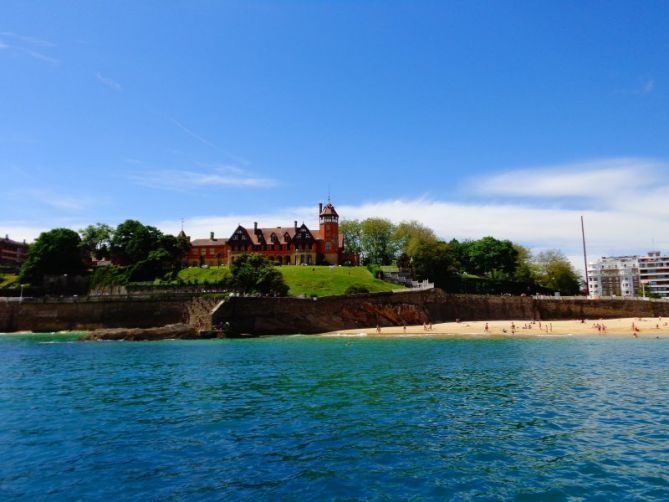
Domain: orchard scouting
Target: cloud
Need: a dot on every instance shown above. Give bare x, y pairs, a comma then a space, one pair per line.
108, 82
644, 89
623, 202
190, 179
192, 134
21, 44
52, 200
37, 42
601, 179
235, 158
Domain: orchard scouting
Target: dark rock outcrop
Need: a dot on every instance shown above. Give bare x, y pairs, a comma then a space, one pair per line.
169, 332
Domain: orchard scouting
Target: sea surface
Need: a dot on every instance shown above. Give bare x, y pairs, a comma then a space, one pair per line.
316, 418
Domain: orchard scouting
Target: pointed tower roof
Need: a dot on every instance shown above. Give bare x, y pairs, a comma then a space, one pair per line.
329, 210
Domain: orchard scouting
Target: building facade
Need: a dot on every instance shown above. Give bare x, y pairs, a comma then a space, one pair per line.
614, 276
12, 253
294, 245
654, 274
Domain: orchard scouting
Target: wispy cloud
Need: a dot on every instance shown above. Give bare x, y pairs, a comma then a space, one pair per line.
26, 45
235, 158
192, 134
53, 199
112, 84
37, 42
190, 179
593, 180
646, 87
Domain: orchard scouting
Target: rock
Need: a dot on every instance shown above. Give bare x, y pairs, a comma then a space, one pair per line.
171, 331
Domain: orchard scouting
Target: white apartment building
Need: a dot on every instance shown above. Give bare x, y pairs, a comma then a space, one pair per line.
654, 273
614, 276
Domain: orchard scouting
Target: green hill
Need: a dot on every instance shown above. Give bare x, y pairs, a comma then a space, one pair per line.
302, 280
328, 281
203, 275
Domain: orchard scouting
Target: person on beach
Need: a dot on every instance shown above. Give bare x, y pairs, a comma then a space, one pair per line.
487, 329
378, 329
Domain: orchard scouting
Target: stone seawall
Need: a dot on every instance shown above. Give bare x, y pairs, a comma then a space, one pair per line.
57, 314
274, 316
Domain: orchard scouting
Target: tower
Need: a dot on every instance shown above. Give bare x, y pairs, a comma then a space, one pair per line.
329, 229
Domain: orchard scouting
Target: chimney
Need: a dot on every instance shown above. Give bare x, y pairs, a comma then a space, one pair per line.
211, 236
320, 208
295, 224
255, 226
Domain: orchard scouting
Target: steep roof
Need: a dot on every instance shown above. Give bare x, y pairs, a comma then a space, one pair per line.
329, 209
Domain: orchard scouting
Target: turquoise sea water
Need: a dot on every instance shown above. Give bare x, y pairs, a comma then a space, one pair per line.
304, 418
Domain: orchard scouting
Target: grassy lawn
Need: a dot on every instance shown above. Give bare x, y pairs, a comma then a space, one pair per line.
389, 268
327, 281
302, 280
210, 274
8, 280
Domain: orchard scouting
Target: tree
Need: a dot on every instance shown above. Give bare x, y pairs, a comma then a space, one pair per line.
409, 236
253, 273
556, 272
490, 257
436, 261
132, 242
352, 232
96, 239
376, 242
525, 270
55, 252
175, 248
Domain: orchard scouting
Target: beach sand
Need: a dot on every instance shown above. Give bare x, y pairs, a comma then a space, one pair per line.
646, 327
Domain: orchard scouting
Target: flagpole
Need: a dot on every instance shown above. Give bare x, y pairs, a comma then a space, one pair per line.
585, 260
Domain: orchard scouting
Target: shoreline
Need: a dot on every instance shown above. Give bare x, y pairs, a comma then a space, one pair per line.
625, 326
618, 327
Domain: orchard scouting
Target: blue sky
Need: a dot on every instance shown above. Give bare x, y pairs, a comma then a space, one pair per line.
502, 118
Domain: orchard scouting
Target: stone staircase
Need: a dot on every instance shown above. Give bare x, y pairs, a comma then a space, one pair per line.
403, 277
198, 312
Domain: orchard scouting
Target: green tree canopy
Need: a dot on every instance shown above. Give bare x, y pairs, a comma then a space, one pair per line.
376, 242
96, 239
410, 235
132, 242
55, 252
352, 232
488, 257
436, 261
525, 270
253, 273
555, 271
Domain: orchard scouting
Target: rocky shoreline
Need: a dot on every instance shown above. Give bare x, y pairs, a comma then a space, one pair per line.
169, 332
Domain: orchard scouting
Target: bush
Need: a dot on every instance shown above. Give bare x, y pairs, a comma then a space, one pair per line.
375, 270
356, 289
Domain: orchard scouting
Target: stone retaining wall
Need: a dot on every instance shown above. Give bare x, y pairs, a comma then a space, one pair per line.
57, 314
273, 316
294, 315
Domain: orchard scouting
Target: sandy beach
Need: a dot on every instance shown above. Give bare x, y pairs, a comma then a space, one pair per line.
628, 326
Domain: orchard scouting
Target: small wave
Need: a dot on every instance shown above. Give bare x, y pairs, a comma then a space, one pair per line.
346, 335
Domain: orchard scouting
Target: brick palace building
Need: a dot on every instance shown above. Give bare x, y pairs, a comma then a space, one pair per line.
296, 245
12, 253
